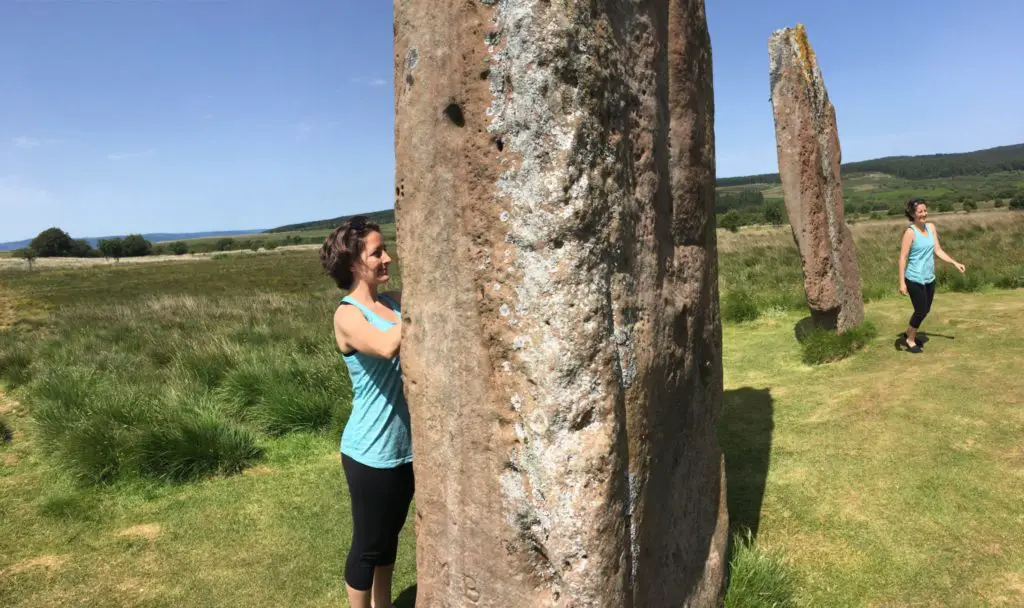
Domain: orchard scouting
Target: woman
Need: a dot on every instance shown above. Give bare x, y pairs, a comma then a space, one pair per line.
376, 446
918, 250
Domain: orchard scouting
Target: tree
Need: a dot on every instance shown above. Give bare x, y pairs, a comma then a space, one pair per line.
178, 248
136, 246
1017, 202
731, 221
774, 213
29, 254
112, 248
80, 248
52, 243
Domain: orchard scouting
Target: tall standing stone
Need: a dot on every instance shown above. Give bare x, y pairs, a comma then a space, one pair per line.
809, 157
562, 341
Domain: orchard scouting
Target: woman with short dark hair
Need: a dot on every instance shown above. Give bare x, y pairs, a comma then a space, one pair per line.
376, 445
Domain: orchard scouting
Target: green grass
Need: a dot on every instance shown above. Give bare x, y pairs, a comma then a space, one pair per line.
886, 479
825, 346
176, 439
758, 579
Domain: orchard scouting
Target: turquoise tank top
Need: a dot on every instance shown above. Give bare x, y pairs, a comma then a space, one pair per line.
921, 259
377, 433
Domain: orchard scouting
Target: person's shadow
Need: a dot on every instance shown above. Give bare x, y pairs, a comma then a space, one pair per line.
406, 599
745, 435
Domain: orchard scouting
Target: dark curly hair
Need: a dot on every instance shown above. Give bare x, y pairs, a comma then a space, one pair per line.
912, 207
343, 247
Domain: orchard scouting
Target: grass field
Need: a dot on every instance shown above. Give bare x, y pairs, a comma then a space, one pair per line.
887, 479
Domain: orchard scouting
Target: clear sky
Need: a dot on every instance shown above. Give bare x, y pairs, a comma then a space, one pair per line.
122, 116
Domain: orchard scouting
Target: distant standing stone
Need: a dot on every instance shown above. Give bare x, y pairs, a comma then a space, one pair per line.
809, 157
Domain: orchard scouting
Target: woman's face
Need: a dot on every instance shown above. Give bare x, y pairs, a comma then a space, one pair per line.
372, 267
921, 213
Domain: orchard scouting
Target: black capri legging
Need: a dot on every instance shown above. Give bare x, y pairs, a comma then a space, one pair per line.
380, 504
921, 297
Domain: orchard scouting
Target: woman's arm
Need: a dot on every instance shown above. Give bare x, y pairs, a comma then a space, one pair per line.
908, 239
353, 331
941, 254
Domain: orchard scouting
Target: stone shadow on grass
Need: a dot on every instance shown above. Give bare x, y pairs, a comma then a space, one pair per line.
406, 599
745, 435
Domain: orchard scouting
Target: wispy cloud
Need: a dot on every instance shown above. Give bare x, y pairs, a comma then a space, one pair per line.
131, 155
372, 82
26, 143
15, 193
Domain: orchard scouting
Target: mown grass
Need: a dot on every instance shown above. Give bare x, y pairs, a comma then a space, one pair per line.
889, 478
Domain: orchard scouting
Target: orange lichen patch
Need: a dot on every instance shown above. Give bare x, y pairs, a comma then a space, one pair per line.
804, 52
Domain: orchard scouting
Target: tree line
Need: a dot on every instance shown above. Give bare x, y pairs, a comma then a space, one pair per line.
992, 160
56, 243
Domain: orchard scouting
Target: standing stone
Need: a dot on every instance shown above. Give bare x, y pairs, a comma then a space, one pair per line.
809, 159
562, 341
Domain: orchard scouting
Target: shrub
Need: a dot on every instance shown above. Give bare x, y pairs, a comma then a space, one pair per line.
731, 221
968, 282
178, 248
6, 431
28, 254
136, 246
825, 346
944, 207
739, 306
970, 206
999, 204
1014, 279
757, 578
1017, 202
112, 248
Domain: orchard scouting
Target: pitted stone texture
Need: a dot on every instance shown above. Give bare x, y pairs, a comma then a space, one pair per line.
809, 157
562, 343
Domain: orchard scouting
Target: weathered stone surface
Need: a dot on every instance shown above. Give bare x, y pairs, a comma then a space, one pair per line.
562, 347
809, 157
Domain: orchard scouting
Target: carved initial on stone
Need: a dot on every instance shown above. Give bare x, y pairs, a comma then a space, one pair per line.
469, 589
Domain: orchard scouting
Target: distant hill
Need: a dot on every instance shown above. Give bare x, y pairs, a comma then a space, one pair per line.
385, 216
991, 160
153, 237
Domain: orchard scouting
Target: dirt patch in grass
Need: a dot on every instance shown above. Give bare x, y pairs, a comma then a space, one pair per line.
48, 562
258, 470
149, 532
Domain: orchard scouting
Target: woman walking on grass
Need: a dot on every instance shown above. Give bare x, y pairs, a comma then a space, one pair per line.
918, 250
376, 446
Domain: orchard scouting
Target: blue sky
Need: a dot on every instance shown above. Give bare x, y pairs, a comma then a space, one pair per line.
124, 116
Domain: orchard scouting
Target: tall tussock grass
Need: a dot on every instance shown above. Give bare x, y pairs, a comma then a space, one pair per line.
757, 578
760, 269
177, 389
